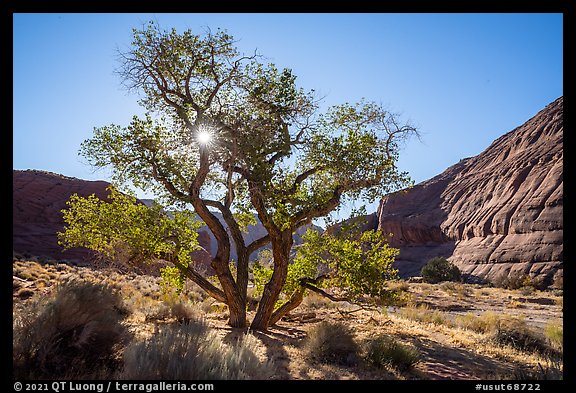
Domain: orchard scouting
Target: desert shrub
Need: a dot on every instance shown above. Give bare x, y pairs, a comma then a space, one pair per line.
25, 293
193, 352
331, 342
422, 313
515, 332
558, 282
399, 286
72, 334
456, 288
554, 332
483, 323
183, 311
384, 351
559, 301
314, 301
398, 294
551, 370
506, 330
439, 269
527, 290
518, 280
173, 304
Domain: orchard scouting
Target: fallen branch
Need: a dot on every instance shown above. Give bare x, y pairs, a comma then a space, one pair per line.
301, 317
346, 313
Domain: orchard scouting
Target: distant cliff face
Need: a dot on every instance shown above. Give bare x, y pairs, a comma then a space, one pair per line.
37, 200
39, 197
492, 214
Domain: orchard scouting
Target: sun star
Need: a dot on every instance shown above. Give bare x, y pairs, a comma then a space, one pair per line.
204, 137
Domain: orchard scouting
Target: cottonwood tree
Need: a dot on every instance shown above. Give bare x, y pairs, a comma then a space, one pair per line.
357, 264
226, 132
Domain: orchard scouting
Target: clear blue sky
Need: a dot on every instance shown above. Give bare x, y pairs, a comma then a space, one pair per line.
462, 79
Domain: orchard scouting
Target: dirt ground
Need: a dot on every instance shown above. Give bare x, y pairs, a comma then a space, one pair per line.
446, 350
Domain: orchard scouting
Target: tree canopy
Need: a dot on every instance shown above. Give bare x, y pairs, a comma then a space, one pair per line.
271, 152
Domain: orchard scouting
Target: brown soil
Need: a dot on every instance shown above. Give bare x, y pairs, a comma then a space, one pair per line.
446, 351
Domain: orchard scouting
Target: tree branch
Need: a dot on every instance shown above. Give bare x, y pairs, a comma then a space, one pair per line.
303, 176
202, 282
306, 216
256, 244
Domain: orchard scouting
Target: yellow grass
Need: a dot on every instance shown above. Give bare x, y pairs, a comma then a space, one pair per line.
451, 327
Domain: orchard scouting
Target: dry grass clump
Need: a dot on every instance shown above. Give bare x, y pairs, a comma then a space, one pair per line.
73, 334
510, 331
314, 301
457, 289
554, 332
483, 323
192, 352
549, 370
154, 309
385, 351
422, 313
331, 342
514, 332
399, 286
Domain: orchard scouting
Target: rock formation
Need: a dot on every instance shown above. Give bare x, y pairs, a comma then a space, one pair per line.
497, 213
37, 200
39, 197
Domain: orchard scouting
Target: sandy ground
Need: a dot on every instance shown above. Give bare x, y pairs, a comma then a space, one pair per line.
446, 351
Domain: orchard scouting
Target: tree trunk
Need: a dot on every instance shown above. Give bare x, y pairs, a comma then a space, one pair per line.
281, 245
237, 309
294, 301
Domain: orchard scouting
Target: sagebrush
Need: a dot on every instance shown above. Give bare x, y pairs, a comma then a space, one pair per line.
192, 351
384, 351
331, 342
73, 334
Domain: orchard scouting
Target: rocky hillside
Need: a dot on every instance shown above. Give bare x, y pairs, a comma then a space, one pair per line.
39, 197
492, 214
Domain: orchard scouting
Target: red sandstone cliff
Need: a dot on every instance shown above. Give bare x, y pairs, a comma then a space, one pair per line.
37, 200
495, 213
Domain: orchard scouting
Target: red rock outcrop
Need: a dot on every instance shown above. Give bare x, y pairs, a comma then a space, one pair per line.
37, 200
492, 214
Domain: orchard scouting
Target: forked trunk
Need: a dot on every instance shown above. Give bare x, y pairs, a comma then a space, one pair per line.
281, 245
294, 301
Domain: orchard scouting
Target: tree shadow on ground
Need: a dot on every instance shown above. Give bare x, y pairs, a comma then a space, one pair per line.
275, 341
285, 346
440, 361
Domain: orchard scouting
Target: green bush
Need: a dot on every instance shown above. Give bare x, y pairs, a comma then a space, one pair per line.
439, 269
72, 334
518, 280
385, 351
193, 352
331, 342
